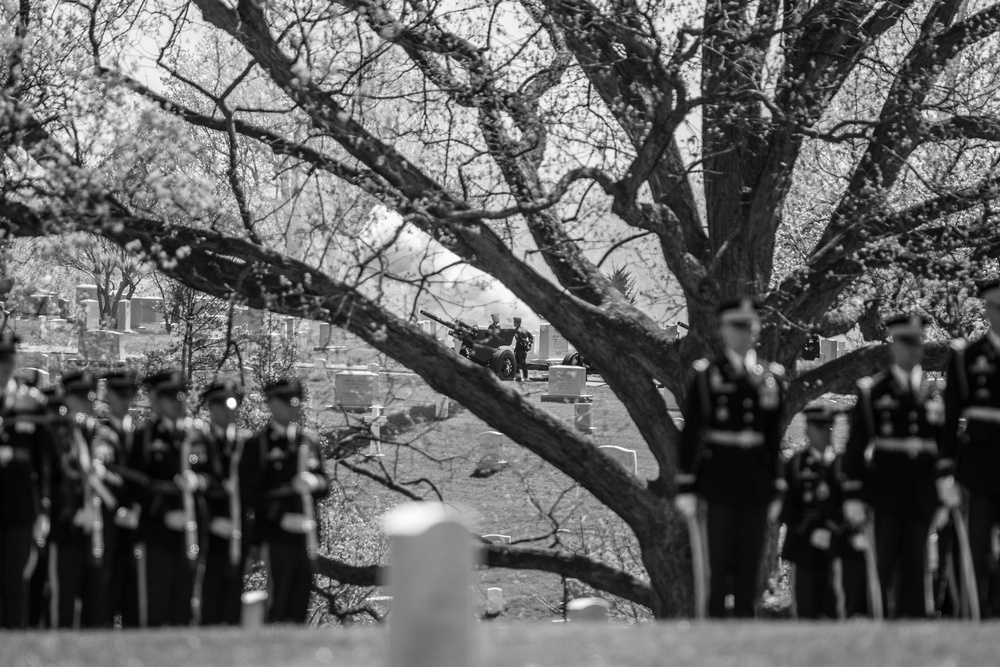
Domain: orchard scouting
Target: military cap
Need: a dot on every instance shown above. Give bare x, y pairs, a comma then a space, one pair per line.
121, 381
820, 413
740, 310
79, 382
989, 290
164, 381
906, 327
517, 320
221, 390
8, 343
284, 388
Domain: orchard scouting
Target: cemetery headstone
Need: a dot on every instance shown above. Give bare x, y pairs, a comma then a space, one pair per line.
625, 457
490, 452
86, 292
430, 579
92, 313
319, 369
566, 385
494, 601
442, 407
101, 346
355, 390
124, 316
587, 609
254, 609
496, 538
583, 418
376, 420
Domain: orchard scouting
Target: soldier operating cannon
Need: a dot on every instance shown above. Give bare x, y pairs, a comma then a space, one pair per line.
489, 348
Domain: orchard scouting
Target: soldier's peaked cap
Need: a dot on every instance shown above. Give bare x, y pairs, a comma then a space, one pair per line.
164, 381
821, 413
79, 382
738, 309
120, 381
284, 388
221, 390
906, 326
517, 319
989, 290
8, 343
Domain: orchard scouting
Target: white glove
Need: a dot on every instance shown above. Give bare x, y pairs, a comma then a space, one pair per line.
686, 504
40, 531
305, 483
854, 512
820, 538
947, 492
774, 511
859, 542
175, 520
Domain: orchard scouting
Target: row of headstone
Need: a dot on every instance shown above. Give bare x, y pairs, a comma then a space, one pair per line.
566, 385
830, 349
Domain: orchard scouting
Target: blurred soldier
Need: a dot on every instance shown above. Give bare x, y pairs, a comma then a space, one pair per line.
222, 581
972, 434
892, 464
168, 549
26, 447
815, 541
523, 342
730, 456
83, 505
120, 388
282, 472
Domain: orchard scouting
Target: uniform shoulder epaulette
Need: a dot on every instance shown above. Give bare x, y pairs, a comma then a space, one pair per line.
959, 344
701, 365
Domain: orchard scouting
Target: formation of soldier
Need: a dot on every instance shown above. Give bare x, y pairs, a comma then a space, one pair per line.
106, 522
900, 524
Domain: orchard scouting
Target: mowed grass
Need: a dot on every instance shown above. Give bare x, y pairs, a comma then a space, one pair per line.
751, 644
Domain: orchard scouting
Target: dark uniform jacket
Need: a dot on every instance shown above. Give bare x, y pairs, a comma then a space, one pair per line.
26, 447
813, 501
894, 445
156, 456
731, 443
973, 394
270, 461
70, 484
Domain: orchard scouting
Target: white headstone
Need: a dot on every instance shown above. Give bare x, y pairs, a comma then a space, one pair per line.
567, 380
355, 389
496, 538
494, 601
430, 579
319, 369
254, 609
587, 609
442, 407
102, 346
583, 417
375, 420
92, 313
490, 451
626, 457
124, 316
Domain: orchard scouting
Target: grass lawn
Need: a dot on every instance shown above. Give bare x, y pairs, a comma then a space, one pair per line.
538, 644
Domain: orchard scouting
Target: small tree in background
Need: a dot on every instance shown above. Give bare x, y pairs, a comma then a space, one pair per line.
623, 281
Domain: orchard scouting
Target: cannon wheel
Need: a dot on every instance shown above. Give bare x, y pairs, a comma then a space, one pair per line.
504, 365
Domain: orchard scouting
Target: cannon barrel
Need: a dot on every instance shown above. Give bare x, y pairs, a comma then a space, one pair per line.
450, 325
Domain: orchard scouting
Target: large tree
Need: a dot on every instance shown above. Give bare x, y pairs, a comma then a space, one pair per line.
797, 151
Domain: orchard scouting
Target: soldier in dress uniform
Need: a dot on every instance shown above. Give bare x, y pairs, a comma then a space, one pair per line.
168, 548
83, 504
282, 475
826, 567
972, 436
225, 557
26, 446
523, 341
119, 394
730, 456
892, 463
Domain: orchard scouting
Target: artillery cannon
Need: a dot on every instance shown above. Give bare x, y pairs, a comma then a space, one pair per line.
486, 347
